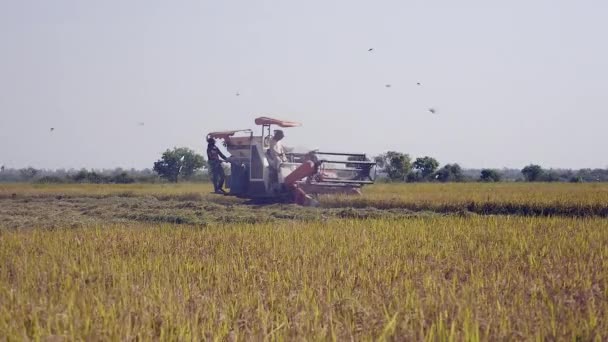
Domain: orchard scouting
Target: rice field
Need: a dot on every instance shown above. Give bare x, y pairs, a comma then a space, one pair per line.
590, 199
354, 269
421, 196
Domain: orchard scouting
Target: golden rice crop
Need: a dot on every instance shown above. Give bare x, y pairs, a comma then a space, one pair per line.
202, 190
427, 196
484, 198
433, 278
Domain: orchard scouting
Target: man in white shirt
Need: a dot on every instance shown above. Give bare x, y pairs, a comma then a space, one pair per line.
276, 152
276, 156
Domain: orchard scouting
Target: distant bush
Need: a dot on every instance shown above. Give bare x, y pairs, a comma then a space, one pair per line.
202, 176
426, 166
122, 178
450, 173
84, 176
593, 175
551, 176
179, 163
413, 177
28, 173
533, 173
52, 180
489, 175
396, 165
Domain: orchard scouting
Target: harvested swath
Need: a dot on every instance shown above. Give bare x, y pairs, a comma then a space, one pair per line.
76, 211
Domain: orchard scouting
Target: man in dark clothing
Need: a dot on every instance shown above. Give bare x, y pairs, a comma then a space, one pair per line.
215, 157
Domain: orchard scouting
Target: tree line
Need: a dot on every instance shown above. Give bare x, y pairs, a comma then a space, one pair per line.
184, 164
399, 167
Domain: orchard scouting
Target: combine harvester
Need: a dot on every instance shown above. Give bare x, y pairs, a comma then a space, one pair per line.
300, 179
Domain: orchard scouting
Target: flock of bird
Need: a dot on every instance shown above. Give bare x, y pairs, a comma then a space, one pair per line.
431, 110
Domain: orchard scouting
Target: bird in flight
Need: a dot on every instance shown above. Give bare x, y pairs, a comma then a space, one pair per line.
140, 123
370, 49
388, 85
418, 83
432, 110
52, 129
238, 94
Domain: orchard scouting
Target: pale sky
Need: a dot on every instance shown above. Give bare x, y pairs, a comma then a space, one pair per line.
514, 82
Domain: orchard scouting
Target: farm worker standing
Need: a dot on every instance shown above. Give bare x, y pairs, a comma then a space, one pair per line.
215, 157
276, 151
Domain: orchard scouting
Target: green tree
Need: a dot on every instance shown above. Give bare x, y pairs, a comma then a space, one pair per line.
490, 175
28, 174
426, 166
413, 177
84, 176
532, 173
179, 162
123, 178
395, 164
551, 176
450, 173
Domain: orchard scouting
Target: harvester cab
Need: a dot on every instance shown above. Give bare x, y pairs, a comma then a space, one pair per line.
300, 178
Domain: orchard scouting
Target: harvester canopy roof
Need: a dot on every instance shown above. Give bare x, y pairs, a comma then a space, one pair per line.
270, 121
225, 134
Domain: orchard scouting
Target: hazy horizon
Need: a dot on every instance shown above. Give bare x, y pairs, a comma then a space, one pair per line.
513, 83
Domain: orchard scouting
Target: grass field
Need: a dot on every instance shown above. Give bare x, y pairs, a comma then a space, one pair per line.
86, 262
